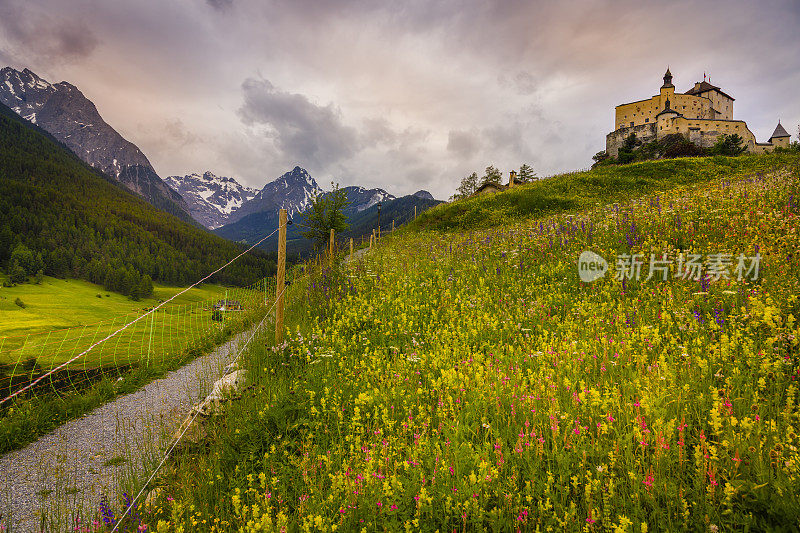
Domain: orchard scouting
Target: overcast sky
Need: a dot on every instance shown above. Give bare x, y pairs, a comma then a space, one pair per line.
400, 95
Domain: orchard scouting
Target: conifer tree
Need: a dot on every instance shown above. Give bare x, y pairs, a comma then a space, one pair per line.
526, 174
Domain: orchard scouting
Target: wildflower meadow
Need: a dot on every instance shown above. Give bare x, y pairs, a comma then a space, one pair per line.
469, 380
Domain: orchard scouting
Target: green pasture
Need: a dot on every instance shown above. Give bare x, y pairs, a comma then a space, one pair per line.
67, 303
61, 318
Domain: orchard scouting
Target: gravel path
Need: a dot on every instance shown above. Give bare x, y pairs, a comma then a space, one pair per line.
358, 254
74, 465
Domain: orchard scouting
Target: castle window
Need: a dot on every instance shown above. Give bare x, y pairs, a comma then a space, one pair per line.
647, 120
631, 123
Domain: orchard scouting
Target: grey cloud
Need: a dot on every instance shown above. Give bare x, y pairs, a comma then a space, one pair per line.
377, 131
463, 144
49, 37
305, 132
5, 58
169, 134
220, 5
523, 82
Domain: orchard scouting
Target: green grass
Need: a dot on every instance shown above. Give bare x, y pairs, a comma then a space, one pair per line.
63, 318
583, 190
67, 303
470, 381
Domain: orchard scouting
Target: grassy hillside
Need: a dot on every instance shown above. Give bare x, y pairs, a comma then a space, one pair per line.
65, 218
62, 318
582, 190
470, 381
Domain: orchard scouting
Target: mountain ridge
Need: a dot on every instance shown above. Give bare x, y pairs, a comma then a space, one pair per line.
64, 111
211, 198
78, 222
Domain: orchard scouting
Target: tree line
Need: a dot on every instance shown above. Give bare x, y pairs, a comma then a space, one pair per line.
470, 184
676, 145
65, 219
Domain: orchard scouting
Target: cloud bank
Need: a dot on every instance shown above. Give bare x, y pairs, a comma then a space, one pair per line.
402, 95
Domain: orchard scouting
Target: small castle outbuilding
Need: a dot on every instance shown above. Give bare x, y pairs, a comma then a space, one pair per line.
701, 114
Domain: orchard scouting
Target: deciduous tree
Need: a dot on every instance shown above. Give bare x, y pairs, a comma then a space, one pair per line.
492, 175
326, 213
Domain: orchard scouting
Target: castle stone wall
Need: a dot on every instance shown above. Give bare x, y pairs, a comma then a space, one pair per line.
615, 139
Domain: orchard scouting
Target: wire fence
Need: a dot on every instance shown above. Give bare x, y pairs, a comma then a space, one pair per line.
134, 502
83, 460
164, 335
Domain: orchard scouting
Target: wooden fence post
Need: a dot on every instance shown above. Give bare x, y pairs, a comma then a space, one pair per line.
330, 250
281, 281
415, 212
392, 225
351, 250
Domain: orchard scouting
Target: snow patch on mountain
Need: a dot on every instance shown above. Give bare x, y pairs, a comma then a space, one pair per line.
291, 191
63, 111
211, 198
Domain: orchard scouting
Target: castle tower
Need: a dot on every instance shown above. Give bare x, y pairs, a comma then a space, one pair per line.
667, 89
664, 119
780, 137
667, 80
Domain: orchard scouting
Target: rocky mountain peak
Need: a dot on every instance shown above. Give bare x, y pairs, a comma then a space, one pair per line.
211, 198
291, 191
64, 112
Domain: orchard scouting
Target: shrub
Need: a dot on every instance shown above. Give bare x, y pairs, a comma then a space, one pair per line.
730, 145
20, 303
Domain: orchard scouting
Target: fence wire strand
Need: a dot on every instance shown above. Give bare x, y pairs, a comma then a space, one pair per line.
186, 426
133, 322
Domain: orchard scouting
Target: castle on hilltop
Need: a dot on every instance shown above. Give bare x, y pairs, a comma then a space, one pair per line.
701, 114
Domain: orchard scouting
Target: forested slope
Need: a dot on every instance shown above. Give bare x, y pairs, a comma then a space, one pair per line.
63, 217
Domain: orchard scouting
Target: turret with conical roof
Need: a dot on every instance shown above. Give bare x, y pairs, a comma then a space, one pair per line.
779, 132
780, 137
667, 80
667, 90
668, 110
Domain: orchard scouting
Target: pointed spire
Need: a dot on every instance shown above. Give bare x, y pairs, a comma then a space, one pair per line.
667, 80
779, 132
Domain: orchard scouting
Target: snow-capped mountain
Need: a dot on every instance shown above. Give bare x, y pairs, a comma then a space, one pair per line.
64, 112
211, 198
292, 191
361, 198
